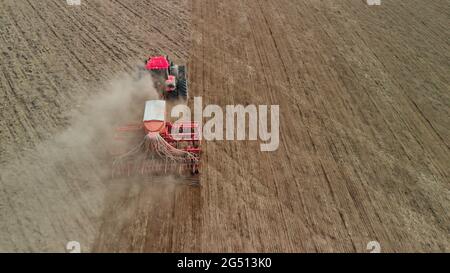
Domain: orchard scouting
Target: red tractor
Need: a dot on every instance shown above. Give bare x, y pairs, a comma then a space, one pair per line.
156, 146
169, 79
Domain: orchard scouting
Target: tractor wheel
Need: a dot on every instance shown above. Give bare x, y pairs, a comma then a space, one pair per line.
182, 71
182, 89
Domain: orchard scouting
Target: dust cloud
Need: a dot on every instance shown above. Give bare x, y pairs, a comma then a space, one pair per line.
59, 190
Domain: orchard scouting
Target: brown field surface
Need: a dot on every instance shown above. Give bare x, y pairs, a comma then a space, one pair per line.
364, 97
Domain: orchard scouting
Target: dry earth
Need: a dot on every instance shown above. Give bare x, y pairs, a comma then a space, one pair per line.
364, 137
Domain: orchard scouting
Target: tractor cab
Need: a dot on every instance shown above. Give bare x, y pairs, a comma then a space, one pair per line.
169, 79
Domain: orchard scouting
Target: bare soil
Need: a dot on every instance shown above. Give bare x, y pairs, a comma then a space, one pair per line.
364, 139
